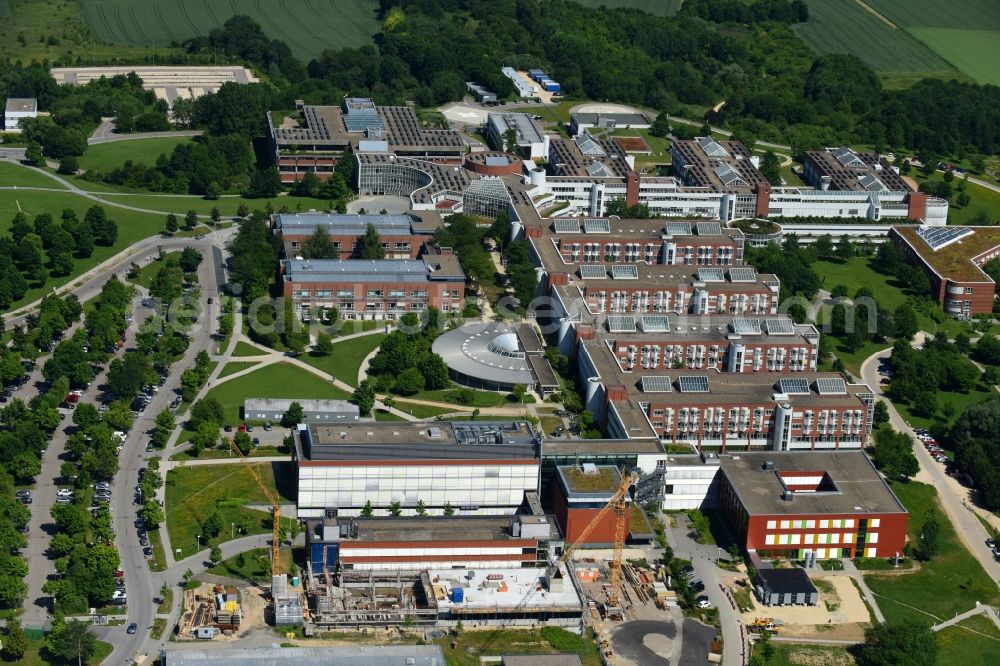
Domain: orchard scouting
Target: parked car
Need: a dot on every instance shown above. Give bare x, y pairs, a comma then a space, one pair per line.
148, 551
229, 428
267, 426
22, 493
132, 628
24, 500
64, 500
249, 427
64, 492
703, 602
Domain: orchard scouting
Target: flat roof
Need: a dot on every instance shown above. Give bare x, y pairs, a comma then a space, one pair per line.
722, 166
21, 105
434, 440
954, 260
282, 404
528, 130
860, 489
437, 267
367, 655
499, 588
787, 581
429, 528
589, 479
568, 447
618, 118
304, 224
568, 160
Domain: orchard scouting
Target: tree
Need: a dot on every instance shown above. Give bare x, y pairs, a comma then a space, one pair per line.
448, 510
206, 436
319, 246
930, 533
823, 246
409, 382
324, 344
367, 511
421, 508
910, 643
435, 372
86, 415
509, 142
152, 513
243, 442
213, 525
126, 376
215, 555
33, 154
190, 220
15, 644
207, 410
905, 320
242, 211
370, 245
881, 414
770, 168
518, 392
171, 226
105, 229
190, 259
893, 454
294, 416
395, 509
72, 640
364, 395
25, 467
68, 165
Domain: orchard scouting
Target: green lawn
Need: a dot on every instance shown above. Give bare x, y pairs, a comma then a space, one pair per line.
132, 227
421, 411
800, 654
159, 560
148, 272
236, 366
227, 205
193, 493
659, 145
246, 349
959, 402
345, 361
480, 398
468, 646
38, 655
252, 565
114, 153
13, 174
960, 645
263, 451
279, 380
950, 583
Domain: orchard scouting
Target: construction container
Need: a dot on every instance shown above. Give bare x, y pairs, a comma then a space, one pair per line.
536, 74
552, 87
295, 581
457, 595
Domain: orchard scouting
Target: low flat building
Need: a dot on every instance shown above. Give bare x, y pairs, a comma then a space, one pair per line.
368, 655
16, 109
820, 504
482, 95
785, 587
532, 141
470, 467
953, 258
383, 289
167, 82
583, 121
313, 411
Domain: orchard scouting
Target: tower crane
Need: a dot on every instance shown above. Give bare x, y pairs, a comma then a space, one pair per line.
275, 508
618, 505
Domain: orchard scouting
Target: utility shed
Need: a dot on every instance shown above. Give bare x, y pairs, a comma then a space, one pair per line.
785, 587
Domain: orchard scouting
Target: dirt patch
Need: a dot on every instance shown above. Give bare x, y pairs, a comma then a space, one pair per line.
840, 614
874, 12
817, 656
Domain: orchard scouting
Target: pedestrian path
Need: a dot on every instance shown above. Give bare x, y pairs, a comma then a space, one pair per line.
989, 611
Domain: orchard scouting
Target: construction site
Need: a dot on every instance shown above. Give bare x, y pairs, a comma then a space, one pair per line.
209, 611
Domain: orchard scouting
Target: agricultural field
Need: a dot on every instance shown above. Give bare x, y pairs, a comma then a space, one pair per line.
844, 26
656, 7
307, 26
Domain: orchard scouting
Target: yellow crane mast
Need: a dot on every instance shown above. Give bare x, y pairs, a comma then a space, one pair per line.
275, 508
618, 505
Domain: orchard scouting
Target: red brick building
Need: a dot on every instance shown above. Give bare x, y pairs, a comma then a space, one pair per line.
579, 495
402, 236
953, 257
827, 505
382, 289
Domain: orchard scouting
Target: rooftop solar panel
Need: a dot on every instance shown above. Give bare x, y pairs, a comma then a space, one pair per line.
567, 226
677, 228
655, 323
746, 326
742, 274
794, 386
624, 272
596, 226
621, 324
593, 271
779, 326
711, 275
708, 229
656, 384
938, 237
831, 386
693, 384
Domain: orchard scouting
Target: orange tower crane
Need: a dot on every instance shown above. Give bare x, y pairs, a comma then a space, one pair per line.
275, 508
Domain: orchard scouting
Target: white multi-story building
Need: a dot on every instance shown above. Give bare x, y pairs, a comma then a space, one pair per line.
474, 468
16, 109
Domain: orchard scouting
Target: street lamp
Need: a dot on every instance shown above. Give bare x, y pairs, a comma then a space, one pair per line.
232, 529
198, 542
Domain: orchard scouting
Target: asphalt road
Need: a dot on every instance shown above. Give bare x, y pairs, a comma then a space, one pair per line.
953, 495
105, 133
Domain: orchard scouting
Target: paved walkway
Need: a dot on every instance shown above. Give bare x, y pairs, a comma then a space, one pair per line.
989, 611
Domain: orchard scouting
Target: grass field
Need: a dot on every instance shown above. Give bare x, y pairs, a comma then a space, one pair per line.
15, 175
113, 153
38, 655
193, 493
950, 583
252, 565
466, 648
843, 26
982, 200
132, 227
656, 7
307, 26
236, 366
148, 272
345, 361
965, 643
244, 349
280, 380
788, 654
